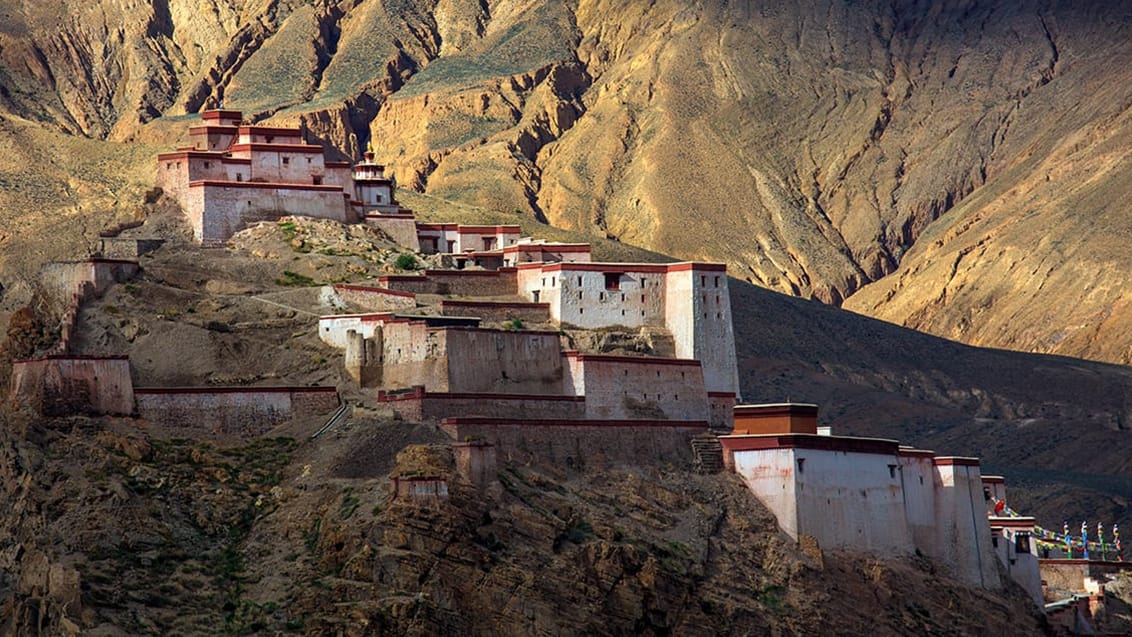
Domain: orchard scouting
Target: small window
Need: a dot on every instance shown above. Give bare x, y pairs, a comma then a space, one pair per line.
801, 464
612, 281
581, 310
622, 312
703, 280
377, 198
716, 278
601, 296
717, 281
1022, 543
317, 181
579, 295
622, 297
208, 164
286, 161
270, 139
892, 471
239, 176
579, 280
642, 298
168, 165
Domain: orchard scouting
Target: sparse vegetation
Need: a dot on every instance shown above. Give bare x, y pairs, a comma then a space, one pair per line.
294, 279
405, 261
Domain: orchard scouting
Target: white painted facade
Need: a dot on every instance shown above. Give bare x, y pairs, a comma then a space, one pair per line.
690, 300
870, 495
332, 330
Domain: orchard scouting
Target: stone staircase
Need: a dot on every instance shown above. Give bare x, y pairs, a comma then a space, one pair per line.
707, 454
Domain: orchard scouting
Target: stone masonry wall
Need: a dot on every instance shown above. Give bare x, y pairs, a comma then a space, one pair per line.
424, 406
580, 444
245, 411
69, 385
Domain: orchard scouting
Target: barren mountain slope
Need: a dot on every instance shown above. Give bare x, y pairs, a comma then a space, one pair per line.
814, 147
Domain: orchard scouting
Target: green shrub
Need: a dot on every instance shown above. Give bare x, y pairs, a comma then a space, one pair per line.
406, 261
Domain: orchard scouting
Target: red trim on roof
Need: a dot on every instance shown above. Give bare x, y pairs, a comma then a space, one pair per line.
337, 164
1011, 522
721, 394
273, 130
459, 273
192, 154
877, 446
212, 127
518, 422
632, 360
264, 185
994, 479
376, 316
288, 148
217, 113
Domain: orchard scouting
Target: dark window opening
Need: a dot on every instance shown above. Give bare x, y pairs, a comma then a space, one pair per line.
612, 281
1022, 543
286, 161
317, 181
207, 164
703, 281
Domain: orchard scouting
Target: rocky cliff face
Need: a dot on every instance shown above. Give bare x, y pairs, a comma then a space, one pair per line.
957, 168
110, 531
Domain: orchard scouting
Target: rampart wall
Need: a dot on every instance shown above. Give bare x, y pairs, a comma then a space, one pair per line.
402, 228
245, 411
419, 405
581, 444
68, 385
375, 299
218, 209
637, 387
454, 359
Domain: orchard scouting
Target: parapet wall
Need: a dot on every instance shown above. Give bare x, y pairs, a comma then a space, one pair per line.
582, 444
418, 405
499, 282
70, 385
498, 312
244, 411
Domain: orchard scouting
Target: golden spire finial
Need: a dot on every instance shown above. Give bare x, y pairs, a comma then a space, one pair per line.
369, 146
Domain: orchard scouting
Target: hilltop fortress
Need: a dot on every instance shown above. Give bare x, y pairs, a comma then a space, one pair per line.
508, 354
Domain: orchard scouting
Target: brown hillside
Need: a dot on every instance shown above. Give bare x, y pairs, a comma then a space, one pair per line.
964, 164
